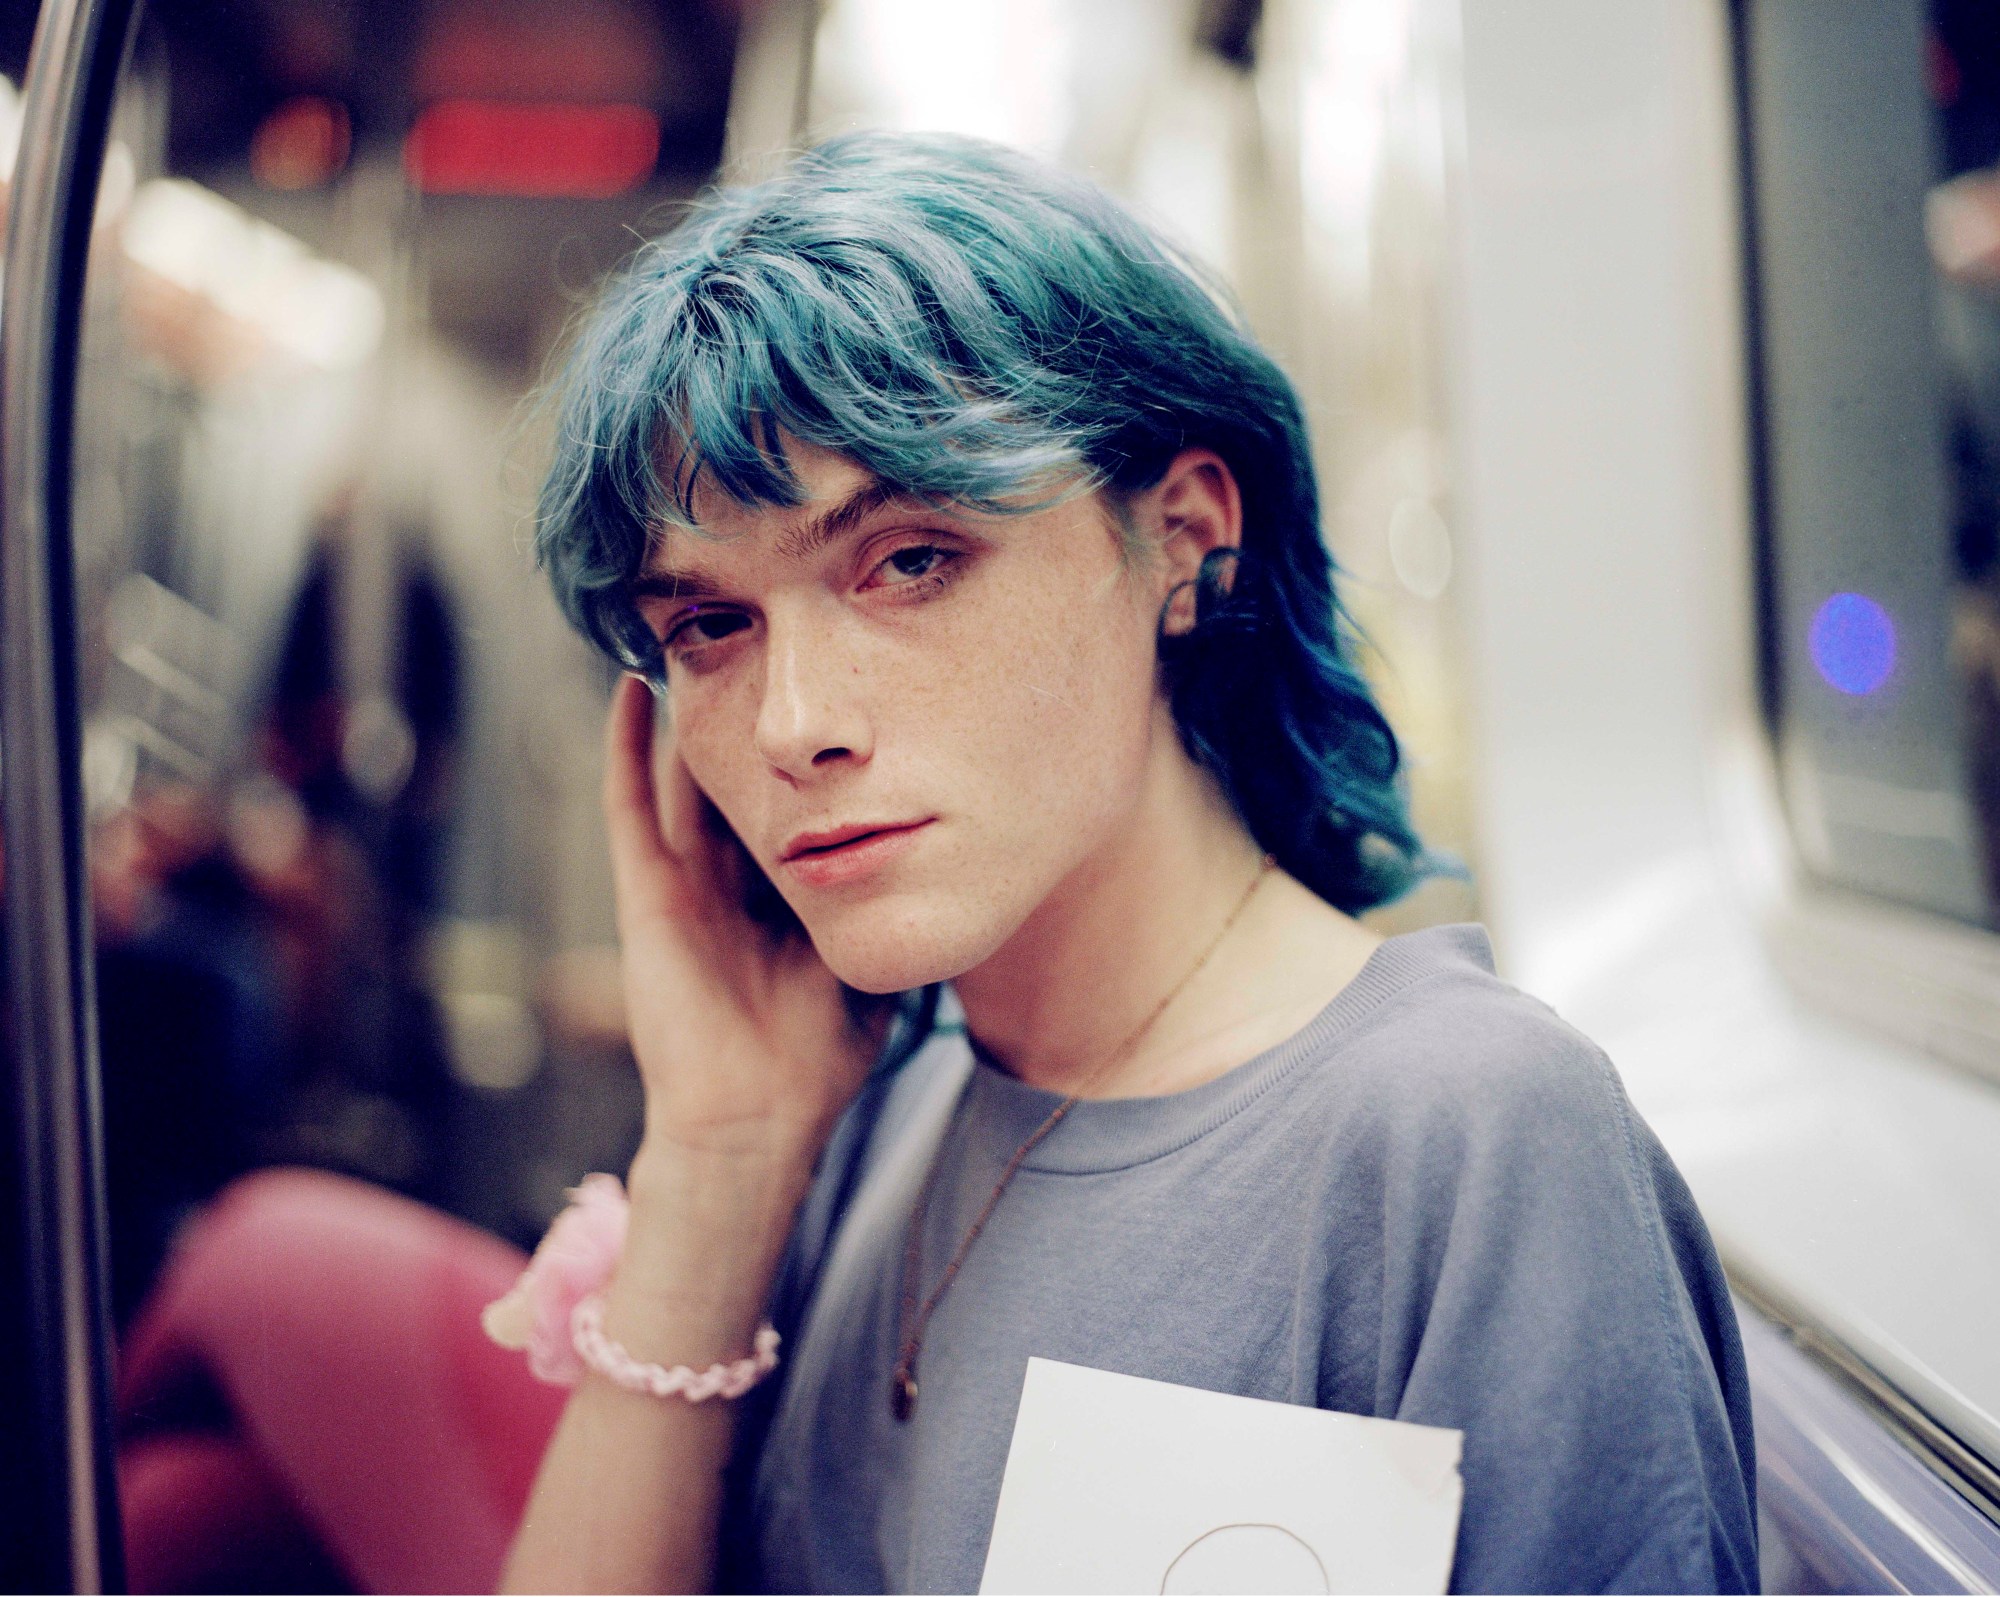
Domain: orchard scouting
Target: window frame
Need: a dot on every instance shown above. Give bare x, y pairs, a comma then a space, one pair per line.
1916, 976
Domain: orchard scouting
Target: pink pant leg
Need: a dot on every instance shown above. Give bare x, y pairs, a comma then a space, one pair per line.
340, 1324
202, 1513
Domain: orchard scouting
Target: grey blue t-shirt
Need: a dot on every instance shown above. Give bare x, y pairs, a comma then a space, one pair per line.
1432, 1204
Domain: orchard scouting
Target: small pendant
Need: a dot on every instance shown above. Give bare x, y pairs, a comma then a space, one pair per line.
903, 1395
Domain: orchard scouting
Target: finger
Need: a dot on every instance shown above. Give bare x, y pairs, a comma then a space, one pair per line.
641, 861
693, 828
676, 835
683, 823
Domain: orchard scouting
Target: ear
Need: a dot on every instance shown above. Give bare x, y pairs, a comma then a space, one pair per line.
1194, 509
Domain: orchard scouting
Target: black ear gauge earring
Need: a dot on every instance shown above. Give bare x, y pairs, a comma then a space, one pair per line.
1189, 603
1217, 578
1179, 613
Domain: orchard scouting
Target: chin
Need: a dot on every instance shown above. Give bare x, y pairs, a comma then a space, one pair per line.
897, 942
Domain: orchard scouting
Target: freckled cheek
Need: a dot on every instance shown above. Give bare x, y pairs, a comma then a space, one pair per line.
1052, 694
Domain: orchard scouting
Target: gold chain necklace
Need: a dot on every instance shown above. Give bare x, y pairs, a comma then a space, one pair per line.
903, 1384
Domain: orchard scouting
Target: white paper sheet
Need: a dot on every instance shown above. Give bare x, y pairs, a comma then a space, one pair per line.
1117, 1484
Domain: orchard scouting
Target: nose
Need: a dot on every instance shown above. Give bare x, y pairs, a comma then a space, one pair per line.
810, 714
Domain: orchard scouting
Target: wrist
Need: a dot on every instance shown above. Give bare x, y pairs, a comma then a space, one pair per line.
702, 1244
771, 1140
745, 1178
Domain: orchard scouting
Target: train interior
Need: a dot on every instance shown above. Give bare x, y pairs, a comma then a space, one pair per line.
1653, 356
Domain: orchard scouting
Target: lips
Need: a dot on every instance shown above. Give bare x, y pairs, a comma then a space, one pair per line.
848, 854
809, 844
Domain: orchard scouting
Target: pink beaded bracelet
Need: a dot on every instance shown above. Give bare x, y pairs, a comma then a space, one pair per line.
619, 1367
555, 1312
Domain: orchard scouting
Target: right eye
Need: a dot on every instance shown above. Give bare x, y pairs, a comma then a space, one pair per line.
696, 630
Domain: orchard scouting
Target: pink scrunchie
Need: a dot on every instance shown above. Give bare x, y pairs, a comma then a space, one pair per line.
575, 1259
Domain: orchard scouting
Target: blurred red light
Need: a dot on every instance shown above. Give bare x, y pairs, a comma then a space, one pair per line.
301, 144
1942, 72
530, 149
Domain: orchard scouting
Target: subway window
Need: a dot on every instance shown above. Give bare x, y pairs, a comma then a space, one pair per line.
1872, 167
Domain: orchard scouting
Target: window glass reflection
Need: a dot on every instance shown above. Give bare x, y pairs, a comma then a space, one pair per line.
1874, 141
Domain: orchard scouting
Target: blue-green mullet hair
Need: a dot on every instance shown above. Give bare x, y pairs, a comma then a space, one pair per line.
974, 326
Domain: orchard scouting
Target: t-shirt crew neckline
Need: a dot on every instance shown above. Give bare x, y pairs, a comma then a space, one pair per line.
1105, 1134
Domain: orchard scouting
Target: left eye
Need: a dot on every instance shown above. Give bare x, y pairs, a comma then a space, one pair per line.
919, 560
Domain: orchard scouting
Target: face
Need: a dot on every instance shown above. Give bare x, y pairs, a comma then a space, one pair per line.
919, 723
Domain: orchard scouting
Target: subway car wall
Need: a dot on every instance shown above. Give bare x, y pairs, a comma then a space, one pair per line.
1651, 353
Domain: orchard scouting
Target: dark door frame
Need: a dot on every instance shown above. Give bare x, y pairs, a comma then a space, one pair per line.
55, 1344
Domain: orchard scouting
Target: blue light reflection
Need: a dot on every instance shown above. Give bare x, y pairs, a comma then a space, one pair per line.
1853, 643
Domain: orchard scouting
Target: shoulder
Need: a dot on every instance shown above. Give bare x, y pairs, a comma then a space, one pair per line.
1481, 1149
1480, 1158
1445, 1044
1453, 1099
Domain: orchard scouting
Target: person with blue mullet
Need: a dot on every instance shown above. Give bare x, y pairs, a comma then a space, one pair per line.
962, 554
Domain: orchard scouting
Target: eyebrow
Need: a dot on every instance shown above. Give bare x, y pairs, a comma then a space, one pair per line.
798, 543
803, 542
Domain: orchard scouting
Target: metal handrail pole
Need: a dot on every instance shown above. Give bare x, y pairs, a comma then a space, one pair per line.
72, 80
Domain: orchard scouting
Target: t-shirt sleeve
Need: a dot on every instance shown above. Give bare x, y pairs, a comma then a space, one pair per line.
1549, 1290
